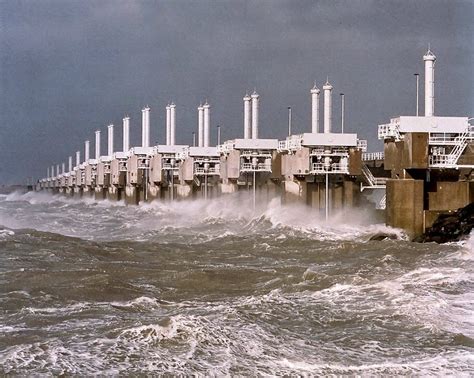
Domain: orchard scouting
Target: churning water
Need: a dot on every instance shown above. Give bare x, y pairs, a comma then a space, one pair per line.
215, 288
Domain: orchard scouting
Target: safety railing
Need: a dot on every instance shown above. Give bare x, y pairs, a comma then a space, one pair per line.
260, 167
369, 156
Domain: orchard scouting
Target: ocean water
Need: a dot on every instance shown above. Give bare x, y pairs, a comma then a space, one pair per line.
215, 288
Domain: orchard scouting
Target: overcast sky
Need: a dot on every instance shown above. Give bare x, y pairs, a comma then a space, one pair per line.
68, 68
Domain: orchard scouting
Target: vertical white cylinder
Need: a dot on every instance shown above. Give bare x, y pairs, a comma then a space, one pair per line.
327, 88
63, 168
168, 124
146, 127
52, 171
57, 170
70, 163
207, 125
47, 172
86, 151
429, 59
173, 124
97, 144
255, 106
247, 119
126, 134
78, 158
200, 126
110, 140
315, 109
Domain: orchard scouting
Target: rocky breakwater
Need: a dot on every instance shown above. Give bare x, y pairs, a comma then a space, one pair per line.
449, 227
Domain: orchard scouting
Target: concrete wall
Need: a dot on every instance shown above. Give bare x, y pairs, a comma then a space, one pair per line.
405, 205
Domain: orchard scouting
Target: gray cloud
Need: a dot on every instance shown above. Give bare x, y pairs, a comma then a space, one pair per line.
68, 68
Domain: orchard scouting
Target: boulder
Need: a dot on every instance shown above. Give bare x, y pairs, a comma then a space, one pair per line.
449, 227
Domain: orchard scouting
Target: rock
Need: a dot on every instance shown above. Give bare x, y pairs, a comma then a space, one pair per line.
449, 227
383, 236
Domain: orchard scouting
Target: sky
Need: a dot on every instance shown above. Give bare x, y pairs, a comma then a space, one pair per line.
68, 68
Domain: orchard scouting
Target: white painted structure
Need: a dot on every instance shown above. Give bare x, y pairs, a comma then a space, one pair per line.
70, 164
200, 126
173, 124
207, 125
315, 109
247, 117
146, 127
429, 59
168, 124
97, 144
78, 159
110, 140
255, 115
86, 151
126, 134
327, 88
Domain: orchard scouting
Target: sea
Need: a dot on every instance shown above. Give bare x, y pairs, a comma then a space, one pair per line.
219, 288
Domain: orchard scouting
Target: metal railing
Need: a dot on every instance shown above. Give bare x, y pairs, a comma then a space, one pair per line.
334, 168
260, 167
362, 144
374, 182
389, 130
208, 171
369, 156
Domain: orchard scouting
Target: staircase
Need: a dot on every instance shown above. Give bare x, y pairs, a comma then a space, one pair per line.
372, 181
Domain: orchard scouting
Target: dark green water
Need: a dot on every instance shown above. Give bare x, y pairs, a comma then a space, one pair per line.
212, 288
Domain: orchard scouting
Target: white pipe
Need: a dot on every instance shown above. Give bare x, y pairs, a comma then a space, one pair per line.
78, 158
57, 170
47, 172
110, 140
86, 151
327, 88
200, 126
247, 119
146, 127
255, 104
173, 124
315, 109
207, 124
97, 144
429, 59
52, 171
168, 124
126, 134
70, 163
63, 168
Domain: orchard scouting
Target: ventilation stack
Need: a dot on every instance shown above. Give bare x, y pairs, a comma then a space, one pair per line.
315, 109
110, 140
255, 105
63, 168
78, 158
200, 125
70, 164
86, 151
97, 144
327, 88
173, 124
126, 134
247, 117
146, 127
207, 124
429, 59
168, 124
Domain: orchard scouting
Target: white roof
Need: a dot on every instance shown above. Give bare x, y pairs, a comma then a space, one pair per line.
329, 139
105, 159
203, 151
256, 144
120, 155
407, 124
141, 151
165, 149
